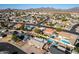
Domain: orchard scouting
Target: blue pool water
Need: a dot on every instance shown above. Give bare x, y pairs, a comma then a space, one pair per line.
65, 41
50, 40
54, 43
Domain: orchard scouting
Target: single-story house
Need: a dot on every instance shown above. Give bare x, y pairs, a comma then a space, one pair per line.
48, 31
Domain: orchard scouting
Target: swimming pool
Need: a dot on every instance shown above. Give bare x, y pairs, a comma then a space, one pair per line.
65, 41
54, 43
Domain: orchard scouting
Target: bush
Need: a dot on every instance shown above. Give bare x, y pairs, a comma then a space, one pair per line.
64, 19
37, 30
41, 36
77, 49
15, 38
51, 24
59, 29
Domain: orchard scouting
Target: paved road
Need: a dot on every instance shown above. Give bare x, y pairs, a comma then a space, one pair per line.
73, 29
10, 48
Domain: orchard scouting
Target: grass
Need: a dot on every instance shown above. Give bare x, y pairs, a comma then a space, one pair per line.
41, 36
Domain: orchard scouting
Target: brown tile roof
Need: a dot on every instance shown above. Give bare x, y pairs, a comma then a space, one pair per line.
48, 31
18, 25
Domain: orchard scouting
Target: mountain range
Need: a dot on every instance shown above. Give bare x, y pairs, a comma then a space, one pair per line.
48, 9
75, 9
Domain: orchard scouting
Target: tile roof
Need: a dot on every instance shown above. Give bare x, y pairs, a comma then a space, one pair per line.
48, 31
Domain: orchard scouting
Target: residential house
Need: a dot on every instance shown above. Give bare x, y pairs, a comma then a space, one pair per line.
18, 25
48, 31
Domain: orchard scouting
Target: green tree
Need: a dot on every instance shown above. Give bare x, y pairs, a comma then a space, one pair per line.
37, 30
15, 38
77, 49
51, 24
59, 29
64, 19
18, 14
22, 27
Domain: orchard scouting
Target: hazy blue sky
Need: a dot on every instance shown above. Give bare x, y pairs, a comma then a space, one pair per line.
27, 6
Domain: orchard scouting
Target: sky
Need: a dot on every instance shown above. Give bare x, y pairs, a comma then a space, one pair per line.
28, 6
